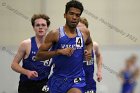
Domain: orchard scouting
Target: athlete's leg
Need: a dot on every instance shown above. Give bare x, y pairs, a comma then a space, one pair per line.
74, 90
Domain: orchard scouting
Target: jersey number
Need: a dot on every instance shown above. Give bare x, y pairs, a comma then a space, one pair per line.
79, 42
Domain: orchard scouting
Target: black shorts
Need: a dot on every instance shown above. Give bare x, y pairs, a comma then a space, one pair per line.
32, 86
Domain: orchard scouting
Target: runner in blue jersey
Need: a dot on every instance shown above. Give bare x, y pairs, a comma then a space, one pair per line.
129, 75
34, 75
68, 44
89, 66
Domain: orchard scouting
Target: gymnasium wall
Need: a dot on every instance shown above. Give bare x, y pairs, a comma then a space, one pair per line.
113, 24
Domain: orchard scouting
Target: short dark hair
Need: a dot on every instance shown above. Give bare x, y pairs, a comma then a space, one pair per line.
37, 16
75, 4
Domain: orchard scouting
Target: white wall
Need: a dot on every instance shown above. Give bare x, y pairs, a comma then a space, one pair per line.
111, 22
15, 18
108, 19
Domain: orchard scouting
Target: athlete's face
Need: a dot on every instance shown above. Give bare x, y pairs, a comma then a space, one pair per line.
40, 27
81, 25
72, 17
